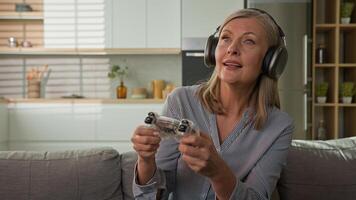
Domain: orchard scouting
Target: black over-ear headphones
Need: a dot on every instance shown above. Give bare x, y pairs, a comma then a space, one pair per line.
274, 61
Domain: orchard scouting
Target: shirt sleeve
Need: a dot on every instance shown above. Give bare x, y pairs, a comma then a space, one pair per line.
262, 179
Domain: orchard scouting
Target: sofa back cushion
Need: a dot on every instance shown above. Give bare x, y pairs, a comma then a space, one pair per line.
320, 170
90, 174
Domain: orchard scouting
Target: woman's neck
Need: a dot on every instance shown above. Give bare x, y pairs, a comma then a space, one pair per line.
235, 99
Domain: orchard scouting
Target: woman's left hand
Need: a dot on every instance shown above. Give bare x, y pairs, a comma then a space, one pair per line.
199, 153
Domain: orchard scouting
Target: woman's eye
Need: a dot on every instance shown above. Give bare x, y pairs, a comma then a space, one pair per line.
249, 42
225, 38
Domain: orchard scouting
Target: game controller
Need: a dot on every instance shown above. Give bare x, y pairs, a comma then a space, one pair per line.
170, 127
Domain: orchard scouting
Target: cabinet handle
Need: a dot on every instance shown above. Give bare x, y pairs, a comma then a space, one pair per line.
195, 54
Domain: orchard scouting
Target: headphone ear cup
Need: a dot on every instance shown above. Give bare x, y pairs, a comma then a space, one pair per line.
209, 53
275, 61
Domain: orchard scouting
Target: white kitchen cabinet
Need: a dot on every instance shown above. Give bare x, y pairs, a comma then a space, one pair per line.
61, 126
128, 23
52, 122
200, 18
144, 23
163, 23
3, 126
118, 122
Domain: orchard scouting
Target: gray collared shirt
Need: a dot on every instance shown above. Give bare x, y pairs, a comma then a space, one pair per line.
256, 157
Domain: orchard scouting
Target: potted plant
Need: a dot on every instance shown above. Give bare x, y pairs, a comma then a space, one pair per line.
346, 11
347, 91
321, 91
117, 72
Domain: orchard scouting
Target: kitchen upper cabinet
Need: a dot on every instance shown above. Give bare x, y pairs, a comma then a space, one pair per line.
144, 24
163, 24
200, 18
128, 23
74, 24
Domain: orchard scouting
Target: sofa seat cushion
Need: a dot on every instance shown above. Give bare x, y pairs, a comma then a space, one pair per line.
320, 170
89, 174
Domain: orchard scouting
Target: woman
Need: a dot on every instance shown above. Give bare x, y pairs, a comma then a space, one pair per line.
244, 137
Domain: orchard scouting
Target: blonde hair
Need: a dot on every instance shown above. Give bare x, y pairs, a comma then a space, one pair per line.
265, 93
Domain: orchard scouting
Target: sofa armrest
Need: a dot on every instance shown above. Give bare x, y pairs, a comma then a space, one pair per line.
128, 161
320, 170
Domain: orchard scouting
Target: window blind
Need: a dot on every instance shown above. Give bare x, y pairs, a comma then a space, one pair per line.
86, 76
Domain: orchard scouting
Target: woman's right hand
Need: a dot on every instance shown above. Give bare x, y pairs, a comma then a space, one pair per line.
145, 141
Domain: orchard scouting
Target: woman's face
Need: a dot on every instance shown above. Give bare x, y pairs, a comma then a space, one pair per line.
240, 51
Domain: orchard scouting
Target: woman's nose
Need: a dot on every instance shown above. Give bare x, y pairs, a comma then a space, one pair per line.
233, 49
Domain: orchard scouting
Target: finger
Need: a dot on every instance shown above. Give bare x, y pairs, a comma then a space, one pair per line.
192, 140
144, 130
145, 139
145, 147
193, 161
190, 150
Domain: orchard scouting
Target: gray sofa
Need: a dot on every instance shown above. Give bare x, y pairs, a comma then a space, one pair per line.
90, 174
315, 170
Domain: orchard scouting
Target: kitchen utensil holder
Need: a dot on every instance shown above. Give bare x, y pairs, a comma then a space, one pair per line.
33, 89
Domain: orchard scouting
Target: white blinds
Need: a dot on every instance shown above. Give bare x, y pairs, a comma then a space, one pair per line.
85, 76
74, 23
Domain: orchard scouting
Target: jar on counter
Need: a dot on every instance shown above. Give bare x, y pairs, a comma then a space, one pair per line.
12, 42
321, 54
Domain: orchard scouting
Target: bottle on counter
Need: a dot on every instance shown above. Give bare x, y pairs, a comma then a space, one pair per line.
321, 54
121, 91
321, 131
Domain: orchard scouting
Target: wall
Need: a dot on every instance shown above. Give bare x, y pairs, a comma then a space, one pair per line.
3, 126
144, 68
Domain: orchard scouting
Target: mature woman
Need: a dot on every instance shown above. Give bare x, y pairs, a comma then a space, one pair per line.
244, 137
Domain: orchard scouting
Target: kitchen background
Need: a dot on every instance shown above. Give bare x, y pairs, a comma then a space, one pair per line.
80, 40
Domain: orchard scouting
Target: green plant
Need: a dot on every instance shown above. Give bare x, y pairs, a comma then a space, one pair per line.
346, 9
347, 89
322, 89
118, 72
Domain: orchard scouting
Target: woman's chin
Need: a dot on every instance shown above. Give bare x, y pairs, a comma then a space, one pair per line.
229, 80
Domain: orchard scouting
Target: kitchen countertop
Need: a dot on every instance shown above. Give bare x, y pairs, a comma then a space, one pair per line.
86, 101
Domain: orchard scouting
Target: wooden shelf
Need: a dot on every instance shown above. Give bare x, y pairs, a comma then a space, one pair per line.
324, 104
347, 65
347, 26
326, 65
339, 41
347, 104
89, 51
325, 26
21, 15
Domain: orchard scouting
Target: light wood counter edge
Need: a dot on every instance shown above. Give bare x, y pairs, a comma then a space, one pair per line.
87, 101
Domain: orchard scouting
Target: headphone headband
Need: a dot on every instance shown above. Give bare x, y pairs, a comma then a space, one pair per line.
281, 33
